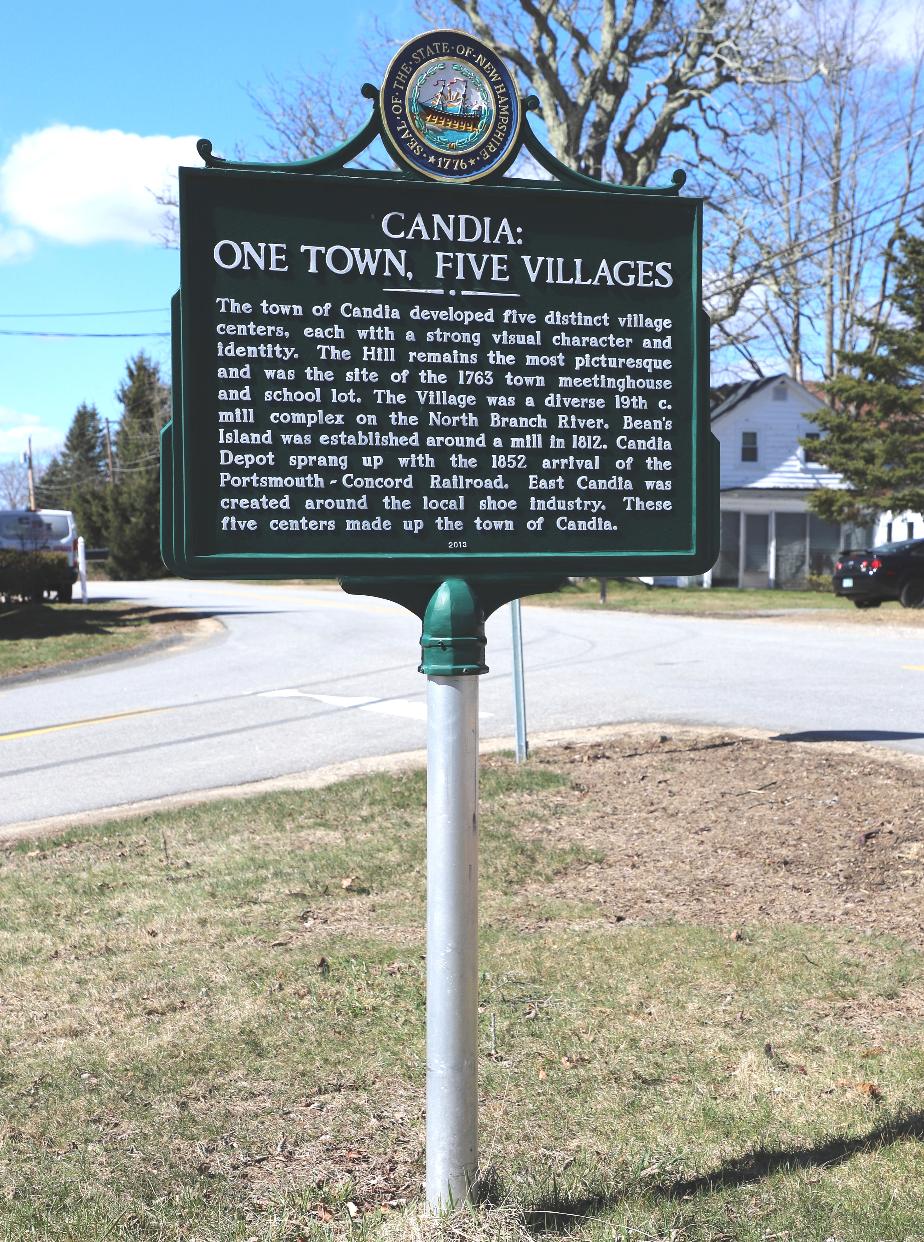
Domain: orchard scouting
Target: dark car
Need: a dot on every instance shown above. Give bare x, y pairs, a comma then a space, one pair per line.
892, 571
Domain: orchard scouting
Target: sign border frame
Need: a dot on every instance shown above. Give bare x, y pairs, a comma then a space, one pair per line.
429, 566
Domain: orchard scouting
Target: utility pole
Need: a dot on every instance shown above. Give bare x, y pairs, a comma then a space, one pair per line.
109, 452
27, 459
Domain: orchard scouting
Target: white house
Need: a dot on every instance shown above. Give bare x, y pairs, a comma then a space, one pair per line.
769, 537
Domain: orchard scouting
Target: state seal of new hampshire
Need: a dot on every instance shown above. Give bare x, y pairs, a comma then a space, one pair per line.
449, 107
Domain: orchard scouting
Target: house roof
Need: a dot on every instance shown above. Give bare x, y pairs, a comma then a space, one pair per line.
718, 393
742, 391
727, 396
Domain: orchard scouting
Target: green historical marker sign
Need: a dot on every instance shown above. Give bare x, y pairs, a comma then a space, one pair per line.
384, 375
449, 388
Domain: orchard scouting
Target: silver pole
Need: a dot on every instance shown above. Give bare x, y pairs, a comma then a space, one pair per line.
82, 567
452, 939
519, 685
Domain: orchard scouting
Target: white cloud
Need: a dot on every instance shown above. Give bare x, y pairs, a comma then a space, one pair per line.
15, 244
15, 430
81, 185
901, 25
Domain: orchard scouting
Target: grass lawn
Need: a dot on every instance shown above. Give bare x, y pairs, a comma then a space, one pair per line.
37, 636
211, 1021
694, 601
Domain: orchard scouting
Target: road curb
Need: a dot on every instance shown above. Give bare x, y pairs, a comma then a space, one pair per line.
203, 630
403, 761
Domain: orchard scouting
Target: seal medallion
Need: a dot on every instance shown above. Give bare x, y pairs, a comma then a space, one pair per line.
450, 107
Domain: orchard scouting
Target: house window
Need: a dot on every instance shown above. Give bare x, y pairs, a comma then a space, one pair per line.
809, 450
911, 530
749, 446
824, 542
779, 393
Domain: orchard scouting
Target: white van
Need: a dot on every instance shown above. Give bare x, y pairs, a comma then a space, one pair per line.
41, 530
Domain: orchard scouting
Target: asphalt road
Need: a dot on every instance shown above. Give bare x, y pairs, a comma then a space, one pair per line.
301, 678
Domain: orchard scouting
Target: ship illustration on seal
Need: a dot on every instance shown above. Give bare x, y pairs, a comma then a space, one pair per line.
451, 106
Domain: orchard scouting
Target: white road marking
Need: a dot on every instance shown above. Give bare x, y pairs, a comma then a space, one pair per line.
406, 709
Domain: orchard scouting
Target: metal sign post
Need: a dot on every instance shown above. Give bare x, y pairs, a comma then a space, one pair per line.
519, 682
453, 651
452, 938
449, 388
453, 614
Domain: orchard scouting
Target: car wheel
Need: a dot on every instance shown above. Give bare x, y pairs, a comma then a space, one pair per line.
912, 595
867, 603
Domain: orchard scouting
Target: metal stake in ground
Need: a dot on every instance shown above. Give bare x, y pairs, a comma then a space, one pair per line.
519, 684
453, 651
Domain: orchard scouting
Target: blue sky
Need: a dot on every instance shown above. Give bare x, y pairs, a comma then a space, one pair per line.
95, 102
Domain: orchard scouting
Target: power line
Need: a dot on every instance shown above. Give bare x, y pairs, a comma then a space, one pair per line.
767, 261
811, 253
151, 310
885, 128
788, 203
52, 335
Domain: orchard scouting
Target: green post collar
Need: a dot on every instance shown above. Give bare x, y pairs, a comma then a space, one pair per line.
453, 639
453, 612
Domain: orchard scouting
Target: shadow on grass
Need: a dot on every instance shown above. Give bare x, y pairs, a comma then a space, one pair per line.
847, 735
563, 1213
31, 621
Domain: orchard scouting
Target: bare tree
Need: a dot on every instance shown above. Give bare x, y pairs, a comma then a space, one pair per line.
14, 478
625, 92
622, 89
618, 85
802, 138
14, 486
820, 220
313, 113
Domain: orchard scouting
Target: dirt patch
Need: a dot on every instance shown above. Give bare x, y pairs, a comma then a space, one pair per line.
172, 625
888, 617
715, 828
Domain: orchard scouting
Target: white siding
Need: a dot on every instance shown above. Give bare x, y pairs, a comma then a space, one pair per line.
779, 425
898, 526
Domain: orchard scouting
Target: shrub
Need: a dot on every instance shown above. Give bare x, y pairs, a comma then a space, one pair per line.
819, 582
28, 575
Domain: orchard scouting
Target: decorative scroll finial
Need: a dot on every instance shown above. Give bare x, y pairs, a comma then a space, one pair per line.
333, 161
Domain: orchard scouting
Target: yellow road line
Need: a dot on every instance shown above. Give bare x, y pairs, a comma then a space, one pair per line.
80, 724
914, 668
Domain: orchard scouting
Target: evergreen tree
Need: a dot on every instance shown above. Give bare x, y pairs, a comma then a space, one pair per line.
52, 490
873, 433
76, 478
134, 512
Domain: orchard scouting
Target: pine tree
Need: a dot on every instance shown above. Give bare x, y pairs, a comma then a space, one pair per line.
53, 489
76, 477
134, 517
873, 433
